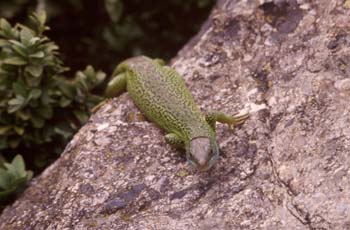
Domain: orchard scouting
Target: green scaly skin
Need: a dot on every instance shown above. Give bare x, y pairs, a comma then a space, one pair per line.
162, 96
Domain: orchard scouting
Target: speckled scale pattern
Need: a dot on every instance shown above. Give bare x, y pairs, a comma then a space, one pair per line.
162, 96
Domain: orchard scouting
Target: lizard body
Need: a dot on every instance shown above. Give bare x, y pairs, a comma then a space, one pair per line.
162, 96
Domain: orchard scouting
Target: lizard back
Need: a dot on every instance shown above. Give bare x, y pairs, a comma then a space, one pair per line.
163, 97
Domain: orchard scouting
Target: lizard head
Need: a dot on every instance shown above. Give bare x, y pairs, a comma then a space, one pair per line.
202, 152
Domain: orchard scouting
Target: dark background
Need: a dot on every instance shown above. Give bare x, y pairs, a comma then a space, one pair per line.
102, 33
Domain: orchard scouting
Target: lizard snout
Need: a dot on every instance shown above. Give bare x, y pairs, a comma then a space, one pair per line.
200, 152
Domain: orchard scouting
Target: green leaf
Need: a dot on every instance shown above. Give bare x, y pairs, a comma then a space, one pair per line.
20, 50
5, 179
35, 93
40, 161
41, 15
50, 47
3, 142
19, 100
89, 71
67, 89
32, 81
45, 97
34, 40
5, 25
63, 132
38, 21
18, 164
37, 121
6, 193
18, 183
29, 175
10, 169
15, 61
3, 42
23, 114
64, 102
45, 112
92, 100
35, 70
39, 54
25, 35
114, 9
33, 103
20, 89
81, 116
19, 130
5, 129
100, 76
13, 108
17, 43
15, 104
2, 161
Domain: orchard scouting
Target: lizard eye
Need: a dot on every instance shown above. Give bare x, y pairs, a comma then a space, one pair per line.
214, 156
191, 160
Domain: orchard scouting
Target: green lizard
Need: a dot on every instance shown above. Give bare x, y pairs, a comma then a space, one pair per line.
162, 96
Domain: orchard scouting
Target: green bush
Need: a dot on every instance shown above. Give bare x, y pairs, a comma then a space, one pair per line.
38, 104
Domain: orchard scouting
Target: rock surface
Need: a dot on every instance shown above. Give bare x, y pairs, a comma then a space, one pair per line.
287, 167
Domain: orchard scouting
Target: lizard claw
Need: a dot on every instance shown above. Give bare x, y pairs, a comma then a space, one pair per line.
237, 120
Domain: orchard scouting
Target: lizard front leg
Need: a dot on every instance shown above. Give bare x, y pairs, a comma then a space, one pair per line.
174, 140
114, 88
159, 61
232, 121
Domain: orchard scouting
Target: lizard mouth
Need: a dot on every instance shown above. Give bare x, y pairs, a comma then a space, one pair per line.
204, 168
